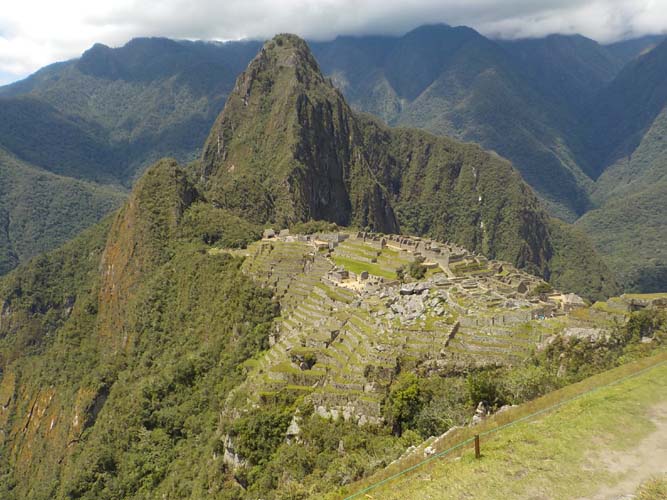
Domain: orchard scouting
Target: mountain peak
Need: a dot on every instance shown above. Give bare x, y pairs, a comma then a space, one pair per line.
287, 52
286, 144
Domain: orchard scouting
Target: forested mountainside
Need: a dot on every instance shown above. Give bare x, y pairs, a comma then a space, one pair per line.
107, 115
629, 225
627, 50
169, 352
97, 122
126, 107
39, 209
287, 148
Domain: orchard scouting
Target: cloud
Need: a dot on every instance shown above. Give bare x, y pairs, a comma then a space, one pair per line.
34, 33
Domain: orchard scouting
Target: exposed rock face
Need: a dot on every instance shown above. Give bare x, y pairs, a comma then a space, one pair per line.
230, 457
480, 413
591, 334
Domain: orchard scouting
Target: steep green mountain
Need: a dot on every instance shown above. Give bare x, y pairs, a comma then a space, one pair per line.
287, 148
629, 226
40, 210
83, 333
453, 81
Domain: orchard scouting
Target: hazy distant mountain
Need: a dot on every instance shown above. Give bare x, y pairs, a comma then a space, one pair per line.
151, 98
568, 70
626, 50
456, 82
630, 142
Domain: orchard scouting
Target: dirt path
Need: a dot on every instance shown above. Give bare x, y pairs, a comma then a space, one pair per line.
636, 465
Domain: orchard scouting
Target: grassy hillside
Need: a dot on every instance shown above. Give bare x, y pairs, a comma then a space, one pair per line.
615, 421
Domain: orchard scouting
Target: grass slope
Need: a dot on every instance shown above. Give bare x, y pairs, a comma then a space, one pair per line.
559, 455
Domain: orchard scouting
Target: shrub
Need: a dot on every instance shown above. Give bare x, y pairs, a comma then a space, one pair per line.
417, 269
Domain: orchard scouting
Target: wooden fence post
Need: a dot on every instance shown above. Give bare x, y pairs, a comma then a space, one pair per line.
477, 453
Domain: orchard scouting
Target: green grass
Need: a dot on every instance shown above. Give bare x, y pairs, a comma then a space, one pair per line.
334, 294
357, 267
646, 296
552, 456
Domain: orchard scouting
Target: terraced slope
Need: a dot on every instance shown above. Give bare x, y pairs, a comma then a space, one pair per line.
348, 325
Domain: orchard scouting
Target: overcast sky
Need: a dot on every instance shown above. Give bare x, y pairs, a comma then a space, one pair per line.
34, 33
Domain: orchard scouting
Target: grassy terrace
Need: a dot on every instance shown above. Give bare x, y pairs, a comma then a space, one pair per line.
336, 294
646, 296
357, 267
558, 453
387, 260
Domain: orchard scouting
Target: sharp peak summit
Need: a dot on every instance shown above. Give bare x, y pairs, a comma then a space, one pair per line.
286, 51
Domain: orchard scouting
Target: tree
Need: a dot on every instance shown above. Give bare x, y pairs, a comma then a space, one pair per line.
404, 403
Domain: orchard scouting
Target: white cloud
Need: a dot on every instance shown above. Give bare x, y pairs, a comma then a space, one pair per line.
34, 33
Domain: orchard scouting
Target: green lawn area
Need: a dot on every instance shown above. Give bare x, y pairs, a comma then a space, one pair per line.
559, 454
356, 266
646, 296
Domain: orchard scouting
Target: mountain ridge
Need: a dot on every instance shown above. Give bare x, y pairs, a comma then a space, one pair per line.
508, 106
158, 355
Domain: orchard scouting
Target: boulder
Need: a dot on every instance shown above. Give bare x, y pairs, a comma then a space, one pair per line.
480, 413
